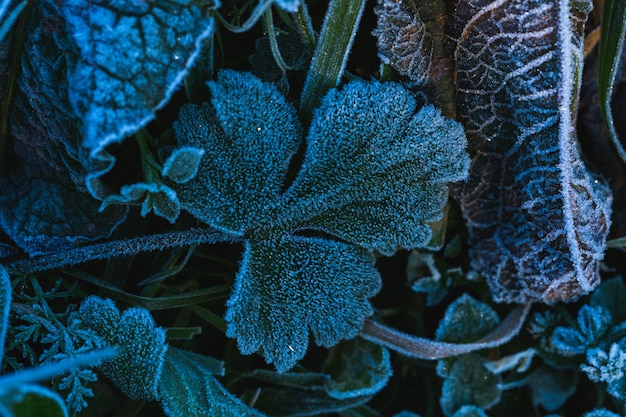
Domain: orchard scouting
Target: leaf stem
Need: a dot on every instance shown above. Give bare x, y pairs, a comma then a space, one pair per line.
124, 247
422, 348
331, 54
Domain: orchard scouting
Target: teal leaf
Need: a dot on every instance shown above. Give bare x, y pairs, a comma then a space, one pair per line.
289, 287
5, 307
611, 45
188, 389
593, 324
376, 170
182, 165
611, 295
550, 388
136, 370
28, 400
129, 58
466, 320
248, 145
469, 383
539, 231
470, 411
357, 368
9, 11
42, 216
374, 174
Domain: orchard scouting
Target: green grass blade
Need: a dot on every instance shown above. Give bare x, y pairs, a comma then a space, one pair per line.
611, 43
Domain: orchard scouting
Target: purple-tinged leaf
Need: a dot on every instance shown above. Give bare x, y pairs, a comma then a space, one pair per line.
538, 220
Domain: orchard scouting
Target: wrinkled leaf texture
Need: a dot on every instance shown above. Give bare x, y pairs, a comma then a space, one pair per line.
90, 73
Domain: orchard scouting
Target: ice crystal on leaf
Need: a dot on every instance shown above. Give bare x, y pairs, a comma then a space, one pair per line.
375, 172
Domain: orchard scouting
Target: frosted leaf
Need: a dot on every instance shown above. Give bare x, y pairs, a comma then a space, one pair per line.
469, 383
376, 167
538, 231
182, 165
141, 345
247, 144
466, 320
309, 285
402, 40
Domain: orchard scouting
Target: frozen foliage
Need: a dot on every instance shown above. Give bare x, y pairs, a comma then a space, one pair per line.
605, 366
466, 320
593, 323
140, 343
188, 388
601, 412
402, 40
134, 57
538, 220
109, 66
469, 383
247, 144
375, 173
470, 411
357, 368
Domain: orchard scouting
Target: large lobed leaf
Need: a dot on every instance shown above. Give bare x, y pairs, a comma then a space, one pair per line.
538, 220
374, 173
290, 286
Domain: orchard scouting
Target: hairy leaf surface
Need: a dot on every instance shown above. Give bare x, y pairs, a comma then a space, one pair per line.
538, 219
288, 287
375, 173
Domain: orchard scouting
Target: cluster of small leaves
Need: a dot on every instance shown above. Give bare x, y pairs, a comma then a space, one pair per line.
63, 334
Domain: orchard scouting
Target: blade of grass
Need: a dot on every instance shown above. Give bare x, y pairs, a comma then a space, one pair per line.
611, 44
331, 53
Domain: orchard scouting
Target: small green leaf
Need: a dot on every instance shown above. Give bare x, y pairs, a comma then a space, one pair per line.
137, 369
469, 383
27, 400
357, 368
182, 165
466, 320
611, 43
5, 307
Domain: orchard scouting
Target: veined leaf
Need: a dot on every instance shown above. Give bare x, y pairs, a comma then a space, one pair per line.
538, 220
611, 45
188, 388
